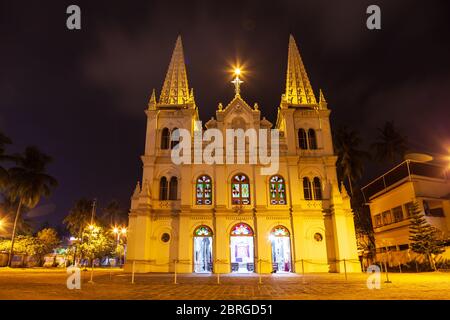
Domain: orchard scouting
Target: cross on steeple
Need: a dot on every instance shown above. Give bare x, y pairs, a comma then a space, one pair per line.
237, 83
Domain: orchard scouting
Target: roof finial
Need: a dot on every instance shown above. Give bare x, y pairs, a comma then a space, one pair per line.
322, 97
343, 190
137, 190
298, 87
152, 101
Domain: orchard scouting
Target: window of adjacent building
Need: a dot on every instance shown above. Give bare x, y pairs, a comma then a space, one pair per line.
240, 189
307, 192
165, 138
277, 190
387, 217
203, 190
312, 139
378, 221
302, 140
433, 208
173, 188
163, 188
397, 213
408, 208
403, 247
317, 189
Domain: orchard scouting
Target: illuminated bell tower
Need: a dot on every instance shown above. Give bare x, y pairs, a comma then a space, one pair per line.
176, 109
305, 130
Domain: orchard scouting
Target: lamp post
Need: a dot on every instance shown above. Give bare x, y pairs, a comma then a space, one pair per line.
122, 231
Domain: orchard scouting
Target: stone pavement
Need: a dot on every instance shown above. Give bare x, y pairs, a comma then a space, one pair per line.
51, 284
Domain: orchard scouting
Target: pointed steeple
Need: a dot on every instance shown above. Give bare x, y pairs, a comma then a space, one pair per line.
152, 101
322, 97
322, 101
298, 87
137, 190
175, 90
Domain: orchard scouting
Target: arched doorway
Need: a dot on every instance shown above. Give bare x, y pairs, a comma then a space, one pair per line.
242, 250
281, 249
203, 249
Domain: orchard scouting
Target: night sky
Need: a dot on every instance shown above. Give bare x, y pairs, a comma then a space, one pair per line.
80, 96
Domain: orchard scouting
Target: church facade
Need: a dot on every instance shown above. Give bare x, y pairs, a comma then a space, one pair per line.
222, 218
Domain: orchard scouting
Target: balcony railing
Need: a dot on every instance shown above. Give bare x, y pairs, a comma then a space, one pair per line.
404, 171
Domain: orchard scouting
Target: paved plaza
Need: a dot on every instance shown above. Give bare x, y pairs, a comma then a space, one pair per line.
115, 284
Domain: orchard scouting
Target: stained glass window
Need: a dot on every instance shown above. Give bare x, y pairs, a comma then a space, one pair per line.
280, 231
203, 190
242, 229
307, 192
240, 190
277, 190
203, 231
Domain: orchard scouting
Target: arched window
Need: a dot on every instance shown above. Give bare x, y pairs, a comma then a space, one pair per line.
173, 188
241, 229
312, 139
317, 189
277, 190
165, 139
174, 138
163, 188
240, 189
280, 231
302, 141
203, 190
203, 231
307, 189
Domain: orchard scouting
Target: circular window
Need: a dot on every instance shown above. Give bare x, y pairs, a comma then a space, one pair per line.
165, 237
318, 237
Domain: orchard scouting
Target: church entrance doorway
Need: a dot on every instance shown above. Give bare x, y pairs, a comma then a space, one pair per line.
242, 249
203, 250
281, 249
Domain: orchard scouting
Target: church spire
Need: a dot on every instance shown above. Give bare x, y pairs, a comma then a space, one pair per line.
322, 101
152, 101
175, 90
298, 87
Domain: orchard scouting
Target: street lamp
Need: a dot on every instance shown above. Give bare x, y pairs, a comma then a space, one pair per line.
118, 232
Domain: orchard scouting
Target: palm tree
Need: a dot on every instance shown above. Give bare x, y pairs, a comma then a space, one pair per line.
79, 217
350, 161
113, 214
8, 208
28, 183
4, 140
390, 144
